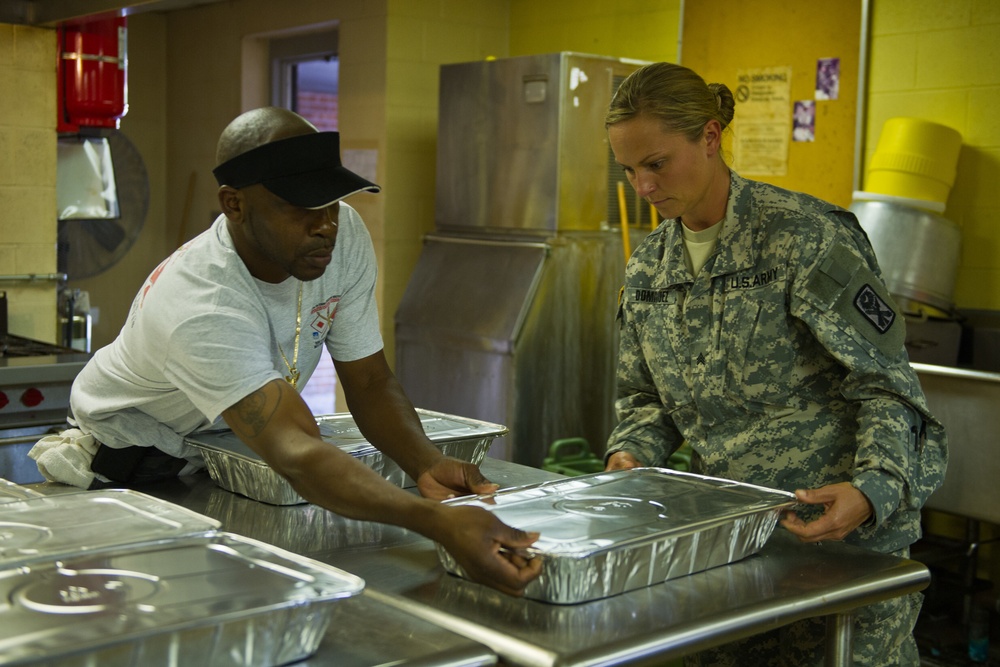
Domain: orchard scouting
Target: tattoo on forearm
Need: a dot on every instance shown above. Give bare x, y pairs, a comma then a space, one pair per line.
256, 410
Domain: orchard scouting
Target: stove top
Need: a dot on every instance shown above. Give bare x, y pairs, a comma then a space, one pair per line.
18, 346
35, 382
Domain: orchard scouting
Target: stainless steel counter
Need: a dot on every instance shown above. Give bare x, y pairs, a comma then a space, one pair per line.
966, 402
415, 613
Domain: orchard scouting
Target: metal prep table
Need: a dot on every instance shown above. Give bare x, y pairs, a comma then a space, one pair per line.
787, 581
364, 630
966, 403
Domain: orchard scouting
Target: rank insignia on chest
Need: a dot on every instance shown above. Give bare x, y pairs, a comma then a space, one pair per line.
875, 310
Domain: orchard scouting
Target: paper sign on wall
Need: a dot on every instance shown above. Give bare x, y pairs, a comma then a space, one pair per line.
763, 123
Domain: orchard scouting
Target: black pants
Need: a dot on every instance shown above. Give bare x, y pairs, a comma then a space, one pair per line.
133, 466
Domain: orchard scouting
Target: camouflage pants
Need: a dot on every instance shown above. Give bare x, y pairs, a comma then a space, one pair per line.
883, 637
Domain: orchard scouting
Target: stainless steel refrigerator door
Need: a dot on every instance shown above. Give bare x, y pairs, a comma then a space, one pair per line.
516, 333
521, 142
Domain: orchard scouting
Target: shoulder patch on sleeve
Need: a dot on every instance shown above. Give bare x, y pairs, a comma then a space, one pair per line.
846, 287
878, 312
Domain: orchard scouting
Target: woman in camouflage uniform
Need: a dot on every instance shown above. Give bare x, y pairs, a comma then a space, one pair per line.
755, 326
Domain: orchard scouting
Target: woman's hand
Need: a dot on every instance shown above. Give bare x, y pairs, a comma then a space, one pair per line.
844, 509
621, 460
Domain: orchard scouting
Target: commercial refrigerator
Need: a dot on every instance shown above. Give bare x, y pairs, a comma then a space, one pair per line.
509, 316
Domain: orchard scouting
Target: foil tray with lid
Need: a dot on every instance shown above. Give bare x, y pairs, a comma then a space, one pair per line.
611, 532
235, 467
52, 527
220, 600
11, 492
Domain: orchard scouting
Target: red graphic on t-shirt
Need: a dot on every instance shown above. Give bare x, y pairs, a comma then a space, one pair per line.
323, 314
152, 278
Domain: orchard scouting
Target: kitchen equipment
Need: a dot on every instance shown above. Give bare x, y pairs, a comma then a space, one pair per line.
86, 245
35, 378
35, 382
966, 401
48, 528
612, 532
92, 72
523, 269
102, 187
914, 158
236, 467
218, 600
918, 252
922, 204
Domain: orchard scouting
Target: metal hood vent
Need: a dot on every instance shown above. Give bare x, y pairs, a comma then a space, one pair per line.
50, 13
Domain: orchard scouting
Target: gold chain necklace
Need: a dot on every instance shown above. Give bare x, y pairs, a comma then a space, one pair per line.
293, 371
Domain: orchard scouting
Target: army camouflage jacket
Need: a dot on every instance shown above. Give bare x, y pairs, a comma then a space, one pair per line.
782, 363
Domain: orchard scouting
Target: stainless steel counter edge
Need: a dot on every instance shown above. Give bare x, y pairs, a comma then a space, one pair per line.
786, 581
685, 638
962, 373
504, 645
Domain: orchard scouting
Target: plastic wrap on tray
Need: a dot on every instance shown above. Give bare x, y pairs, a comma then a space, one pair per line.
11, 492
236, 467
607, 533
220, 600
50, 527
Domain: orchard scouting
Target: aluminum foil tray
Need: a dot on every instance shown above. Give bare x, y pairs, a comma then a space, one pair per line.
607, 533
220, 600
52, 527
11, 492
235, 467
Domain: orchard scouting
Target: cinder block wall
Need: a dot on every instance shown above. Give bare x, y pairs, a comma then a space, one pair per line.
28, 178
938, 61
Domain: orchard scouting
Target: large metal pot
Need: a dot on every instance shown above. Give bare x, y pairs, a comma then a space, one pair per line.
917, 250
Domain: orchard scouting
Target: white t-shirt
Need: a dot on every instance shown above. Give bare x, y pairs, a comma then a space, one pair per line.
699, 246
202, 333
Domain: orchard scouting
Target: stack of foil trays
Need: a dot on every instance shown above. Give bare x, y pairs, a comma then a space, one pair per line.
235, 467
608, 533
118, 578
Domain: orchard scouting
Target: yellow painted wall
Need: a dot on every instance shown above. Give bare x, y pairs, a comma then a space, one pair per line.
619, 28
722, 37
928, 57
938, 61
421, 36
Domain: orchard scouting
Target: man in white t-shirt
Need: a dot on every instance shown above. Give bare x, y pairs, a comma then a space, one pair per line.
234, 321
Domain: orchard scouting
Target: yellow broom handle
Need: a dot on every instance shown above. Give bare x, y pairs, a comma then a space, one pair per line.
623, 214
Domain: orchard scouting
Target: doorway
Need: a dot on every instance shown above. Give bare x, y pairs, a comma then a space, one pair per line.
305, 74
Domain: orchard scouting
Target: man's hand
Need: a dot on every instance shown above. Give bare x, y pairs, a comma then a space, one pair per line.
621, 460
844, 509
474, 538
450, 477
